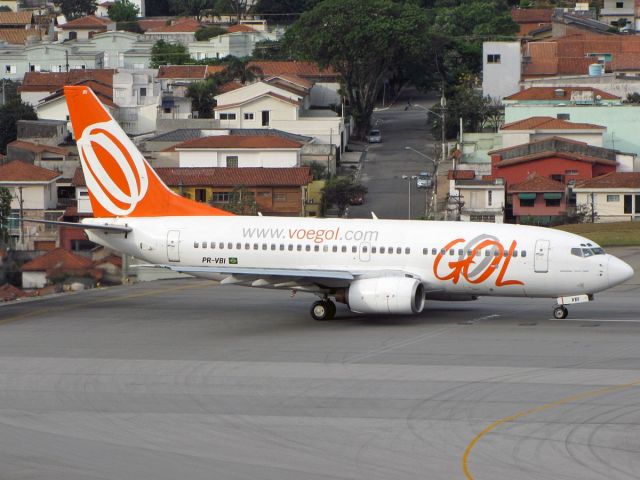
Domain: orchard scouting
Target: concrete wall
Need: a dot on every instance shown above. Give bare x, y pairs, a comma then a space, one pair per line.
501, 79
246, 158
33, 280
35, 197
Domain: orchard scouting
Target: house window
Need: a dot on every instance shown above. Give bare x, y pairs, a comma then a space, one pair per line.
493, 58
265, 118
558, 177
232, 161
527, 202
489, 198
571, 172
10, 69
264, 194
619, 4
628, 200
613, 198
248, 116
552, 202
637, 209
280, 197
201, 195
221, 197
483, 218
563, 116
227, 116
167, 110
143, 92
34, 68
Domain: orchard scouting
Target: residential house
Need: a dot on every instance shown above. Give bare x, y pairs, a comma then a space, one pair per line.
500, 68
58, 265
576, 22
239, 41
137, 96
612, 197
37, 154
561, 96
19, 27
530, 19
275, 191
619, 84
174, 81
478, 200
615, 10
538, 200
36, 86
119, 49
180, 30
34, 195
538, 128
565, 161
85, 28
239, 151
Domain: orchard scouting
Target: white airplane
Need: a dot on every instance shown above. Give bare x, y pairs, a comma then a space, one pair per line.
374, 266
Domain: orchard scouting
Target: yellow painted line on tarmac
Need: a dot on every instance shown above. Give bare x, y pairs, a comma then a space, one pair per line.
32, 313
541, 408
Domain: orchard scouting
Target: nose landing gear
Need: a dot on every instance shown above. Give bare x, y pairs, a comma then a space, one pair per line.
323, 310
560, 312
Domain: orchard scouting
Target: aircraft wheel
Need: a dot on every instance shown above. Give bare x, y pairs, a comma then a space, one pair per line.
560, 312
320, 310
332, 309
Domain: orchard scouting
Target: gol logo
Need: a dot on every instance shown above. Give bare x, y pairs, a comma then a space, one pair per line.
466, 267
118, 180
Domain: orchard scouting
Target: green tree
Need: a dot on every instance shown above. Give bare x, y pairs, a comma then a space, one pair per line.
163, 53
202, 96
240, 69
5, 213
158, 8
270, 50
362, 40
10, 90
284, 11
318, 171
239, 8
339, 191
10, 113
209, 32
192, 8
241, 202
123, 11
73, 9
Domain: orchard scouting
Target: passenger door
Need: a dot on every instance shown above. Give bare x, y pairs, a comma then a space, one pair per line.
173, 245
541, 258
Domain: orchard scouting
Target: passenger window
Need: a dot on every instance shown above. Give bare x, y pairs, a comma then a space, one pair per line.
344, 249
443, 251
487, 253
195, 244
247, 246
434, 251
577, 252
229, 245
238, 246
307, 248
399, 250
255, 246
425, 251
460, 252
204, 244
373, 249
213, 245
354, 249
524, 253
290, 248
221, 246
407, 250
496, 252
505, 253
299, 248
264, 246
316, 248
325, 248
334, 249
382, 250
515, 253
273, 246
469, 253
452, 252
390, 251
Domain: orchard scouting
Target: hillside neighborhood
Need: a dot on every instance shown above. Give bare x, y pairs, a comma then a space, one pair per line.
268, 137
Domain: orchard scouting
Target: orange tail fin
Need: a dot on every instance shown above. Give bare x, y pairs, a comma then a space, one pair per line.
120, 181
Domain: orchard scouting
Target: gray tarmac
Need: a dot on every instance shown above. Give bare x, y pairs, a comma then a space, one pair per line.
184, 379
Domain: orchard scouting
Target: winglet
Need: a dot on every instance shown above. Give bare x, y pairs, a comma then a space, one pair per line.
120, 181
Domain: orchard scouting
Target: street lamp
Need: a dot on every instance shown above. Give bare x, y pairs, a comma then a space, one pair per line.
434, 191
409, 179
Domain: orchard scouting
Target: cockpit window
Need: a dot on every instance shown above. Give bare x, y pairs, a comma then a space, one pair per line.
586, 252
598, 251
576, 251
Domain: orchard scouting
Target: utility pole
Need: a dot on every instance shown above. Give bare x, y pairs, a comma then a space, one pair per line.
593, 209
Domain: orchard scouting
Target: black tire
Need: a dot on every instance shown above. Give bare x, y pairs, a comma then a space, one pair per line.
332, 309
320, 311
560, 313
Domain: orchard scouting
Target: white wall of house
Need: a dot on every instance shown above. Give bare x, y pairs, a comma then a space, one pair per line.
35, 196
481, 200
251, 91
55, 110
500, 68
512, 138
34, 279
609, 203
327, 130
84, 204
279, 111
246, 158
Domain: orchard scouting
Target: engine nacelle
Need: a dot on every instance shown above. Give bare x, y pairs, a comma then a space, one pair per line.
402, 295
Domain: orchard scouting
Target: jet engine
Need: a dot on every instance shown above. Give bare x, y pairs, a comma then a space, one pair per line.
401, 295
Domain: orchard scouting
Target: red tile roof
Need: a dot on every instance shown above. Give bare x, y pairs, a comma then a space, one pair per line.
91, 22
37, 147
231, 177
613, 180
461, 175
537, 183
183, 71
18, 171
549, 123
294, 79
547, 154
57, 259
24, 17
229, 87
50, 82
301, 69
9, 292
18, 36
215, 69
237, 141
532, 15
282, 98
240, 28
102, 91
151, 23
181, 25
551, 93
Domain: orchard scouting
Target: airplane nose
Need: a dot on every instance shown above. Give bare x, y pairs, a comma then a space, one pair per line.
618, 271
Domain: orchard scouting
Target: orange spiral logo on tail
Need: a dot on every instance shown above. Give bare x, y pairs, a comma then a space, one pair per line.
115, 171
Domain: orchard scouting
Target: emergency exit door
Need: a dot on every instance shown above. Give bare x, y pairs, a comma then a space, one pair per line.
541, 257
173, 245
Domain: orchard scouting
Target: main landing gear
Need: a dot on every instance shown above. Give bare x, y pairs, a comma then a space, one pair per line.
560, 312
323, 309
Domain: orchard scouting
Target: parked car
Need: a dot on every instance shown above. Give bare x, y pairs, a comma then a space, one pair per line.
424, 180
375, 136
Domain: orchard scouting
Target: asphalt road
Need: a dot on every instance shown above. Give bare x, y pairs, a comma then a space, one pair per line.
186, 379
385, 163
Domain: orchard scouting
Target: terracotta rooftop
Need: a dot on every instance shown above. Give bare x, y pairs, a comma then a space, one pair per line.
50, 82
16, 18
151, 23
239, 27
301, 69
613, 180
547, 154
57, 259
181, 25
461, 175
549, 123
229, 87
102, 91
537, 183
90, 22
37, 147
18, 36
231, 177
17, 171
215, 69
239, 142
276, 96
295, 79
9, 292
531, 15
553, 93
183, 71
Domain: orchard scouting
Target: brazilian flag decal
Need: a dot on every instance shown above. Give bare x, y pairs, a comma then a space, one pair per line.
233, 261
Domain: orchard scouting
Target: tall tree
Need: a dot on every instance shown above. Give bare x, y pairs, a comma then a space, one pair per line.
73, 9
202, 96
123, 11
10, 113
163, 53
284, 11
157, 8
239, 8
339, 191
5, 213
240, 69
193, 8
270, 50
364, 41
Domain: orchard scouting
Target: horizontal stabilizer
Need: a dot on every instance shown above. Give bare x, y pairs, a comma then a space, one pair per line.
107, 227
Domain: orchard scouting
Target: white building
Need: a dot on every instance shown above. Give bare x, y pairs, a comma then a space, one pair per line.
614, 197
500, 68
537, 128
